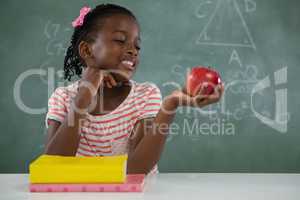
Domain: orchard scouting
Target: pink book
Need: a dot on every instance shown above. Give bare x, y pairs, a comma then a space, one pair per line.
134, 183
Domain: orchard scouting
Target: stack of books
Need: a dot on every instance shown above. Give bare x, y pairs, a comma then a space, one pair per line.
49, 173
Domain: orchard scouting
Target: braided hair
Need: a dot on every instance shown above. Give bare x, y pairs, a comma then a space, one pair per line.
93, 20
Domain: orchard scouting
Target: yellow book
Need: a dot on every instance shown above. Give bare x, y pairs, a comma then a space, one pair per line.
70, 169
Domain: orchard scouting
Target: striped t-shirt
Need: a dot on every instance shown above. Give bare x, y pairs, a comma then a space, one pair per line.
108, 134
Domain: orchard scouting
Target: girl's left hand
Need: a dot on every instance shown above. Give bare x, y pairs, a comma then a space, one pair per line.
183, 99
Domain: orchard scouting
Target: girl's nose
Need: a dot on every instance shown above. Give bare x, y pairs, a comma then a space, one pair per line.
131, 50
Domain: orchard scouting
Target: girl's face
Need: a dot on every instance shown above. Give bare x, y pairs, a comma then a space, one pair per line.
117, 45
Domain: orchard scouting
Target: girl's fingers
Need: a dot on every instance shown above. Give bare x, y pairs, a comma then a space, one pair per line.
200, 101
216, 96
108, 84
112, 80
203, 100
222, 88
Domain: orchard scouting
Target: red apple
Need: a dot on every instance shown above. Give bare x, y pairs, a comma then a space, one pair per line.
202, 80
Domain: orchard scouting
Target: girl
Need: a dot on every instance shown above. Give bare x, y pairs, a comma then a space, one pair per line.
105, 112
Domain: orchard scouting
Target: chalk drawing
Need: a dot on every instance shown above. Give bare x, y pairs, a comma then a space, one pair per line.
235, 57
56, 43
199, 11
250, 6
215, 20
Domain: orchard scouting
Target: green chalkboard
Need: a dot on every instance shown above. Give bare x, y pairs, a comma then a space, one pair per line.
253, 44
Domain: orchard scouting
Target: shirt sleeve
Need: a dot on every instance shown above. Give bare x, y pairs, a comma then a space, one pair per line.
57, 109
153, 103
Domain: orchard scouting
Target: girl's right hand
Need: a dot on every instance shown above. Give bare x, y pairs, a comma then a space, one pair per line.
93, 78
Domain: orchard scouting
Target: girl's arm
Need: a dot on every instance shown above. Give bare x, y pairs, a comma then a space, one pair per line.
63, 138
150, 135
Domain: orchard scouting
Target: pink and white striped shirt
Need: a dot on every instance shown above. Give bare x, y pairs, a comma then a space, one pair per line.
106, 135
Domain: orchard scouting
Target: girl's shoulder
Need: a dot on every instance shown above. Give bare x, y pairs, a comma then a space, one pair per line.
67, 90
142, 87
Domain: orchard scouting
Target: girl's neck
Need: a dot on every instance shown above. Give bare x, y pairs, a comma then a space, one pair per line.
115, 90
109, 99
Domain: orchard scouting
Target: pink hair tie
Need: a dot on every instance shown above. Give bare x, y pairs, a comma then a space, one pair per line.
79, 20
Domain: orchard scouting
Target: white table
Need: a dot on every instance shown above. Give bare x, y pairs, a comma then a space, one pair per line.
175, 186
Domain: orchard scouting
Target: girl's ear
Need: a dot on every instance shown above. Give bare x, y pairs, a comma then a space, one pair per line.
85, 50
86, 54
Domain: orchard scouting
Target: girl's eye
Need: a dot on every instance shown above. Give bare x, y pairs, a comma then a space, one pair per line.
138, 48
120, 41
123, 42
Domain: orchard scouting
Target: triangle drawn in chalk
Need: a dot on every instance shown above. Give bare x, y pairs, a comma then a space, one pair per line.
226, 27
